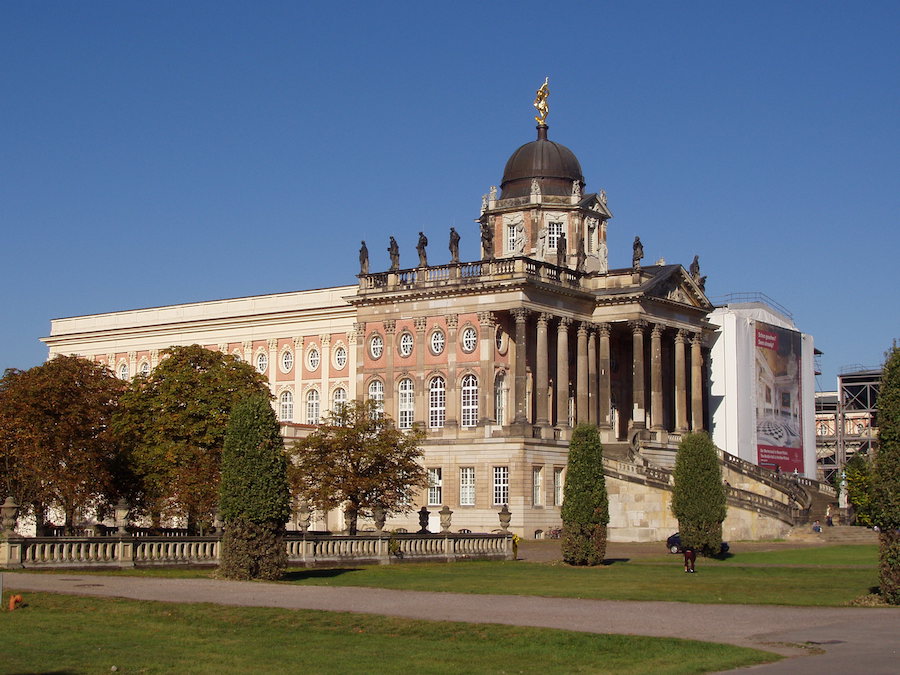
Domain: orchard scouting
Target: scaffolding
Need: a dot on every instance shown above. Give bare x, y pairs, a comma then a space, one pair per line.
846, 420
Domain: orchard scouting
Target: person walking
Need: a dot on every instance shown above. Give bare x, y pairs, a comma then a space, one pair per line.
690, 557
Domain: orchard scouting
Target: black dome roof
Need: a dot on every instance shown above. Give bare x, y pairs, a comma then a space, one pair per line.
554, 165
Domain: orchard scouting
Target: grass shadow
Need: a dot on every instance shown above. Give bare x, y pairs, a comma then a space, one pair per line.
329, 573
613, 561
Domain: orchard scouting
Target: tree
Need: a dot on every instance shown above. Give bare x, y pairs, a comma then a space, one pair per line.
858, 473
585, 508
254, 498
173, 422
360, 459
698, 499
886, 478
56, 447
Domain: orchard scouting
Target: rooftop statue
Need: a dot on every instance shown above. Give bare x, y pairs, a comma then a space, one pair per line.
695, 268
394, 252
487, 242
561, 252
540, 102
363, 258
454, 245
420, 247
637, 253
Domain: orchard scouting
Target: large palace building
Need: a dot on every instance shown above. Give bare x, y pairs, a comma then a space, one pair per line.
497, 358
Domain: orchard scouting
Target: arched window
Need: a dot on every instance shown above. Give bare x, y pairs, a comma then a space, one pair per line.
286, 407
376, 393
406, 404
500, 399
123, 371
338, 399
312, 407
145, 369
262, 362
469, 401
437, 402
287, 361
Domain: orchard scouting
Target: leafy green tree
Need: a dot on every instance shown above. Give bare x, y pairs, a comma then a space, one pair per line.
886, 478
254, 496
359, 459
585, 508
172, 423
858, 473
698, 499
54, 438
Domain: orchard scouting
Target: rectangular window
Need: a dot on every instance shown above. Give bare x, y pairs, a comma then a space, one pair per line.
558, 485
501, 485
406, 404
554, 230
467, 486
434, 487
537, 485
512, 238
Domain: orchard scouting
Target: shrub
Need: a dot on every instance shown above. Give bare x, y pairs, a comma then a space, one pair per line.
254, 497
698, 499
886, 478
585, 509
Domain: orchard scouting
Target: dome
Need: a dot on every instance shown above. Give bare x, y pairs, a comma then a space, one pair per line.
554, 165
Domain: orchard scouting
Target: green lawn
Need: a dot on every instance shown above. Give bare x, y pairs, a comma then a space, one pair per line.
803, 576
57, 633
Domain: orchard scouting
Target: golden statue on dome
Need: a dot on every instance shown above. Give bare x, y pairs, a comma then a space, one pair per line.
540, 102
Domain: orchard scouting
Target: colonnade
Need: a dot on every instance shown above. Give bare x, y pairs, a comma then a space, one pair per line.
593, 374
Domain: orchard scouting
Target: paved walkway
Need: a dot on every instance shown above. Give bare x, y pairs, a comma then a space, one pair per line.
853, 640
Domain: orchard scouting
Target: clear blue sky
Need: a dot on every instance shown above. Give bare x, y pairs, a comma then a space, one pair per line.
165, 152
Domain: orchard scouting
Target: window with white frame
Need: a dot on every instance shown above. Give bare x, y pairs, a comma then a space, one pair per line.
286, 406
340, 357
338, 399
437, 402
313, 358
435, 485
123, 371
501, 485
500, 399
287, 361
512, 237
376, 346
558, 483
376, 393
469, 395
467, 486
145, 368
406, 344
312, 407
405, 403
469, 339
437, 342
554, 232
262, 362
537, 485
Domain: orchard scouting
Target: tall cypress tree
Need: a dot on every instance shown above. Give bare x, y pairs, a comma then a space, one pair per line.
886, 478
585, 509
698, 500
254, 498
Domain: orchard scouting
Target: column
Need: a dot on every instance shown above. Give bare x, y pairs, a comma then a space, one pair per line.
593, 393
656, 395
696, 383
605, 384
562, 372
359, 389
450, 348
248, 353
390, 331
581, 375
681, 421
298, 374
487, 323
272, 344
542, 371
638, 399
520, 315
325, 371
421, 395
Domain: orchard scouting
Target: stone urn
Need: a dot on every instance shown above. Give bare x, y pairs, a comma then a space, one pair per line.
505, 515
424, 513
445, 514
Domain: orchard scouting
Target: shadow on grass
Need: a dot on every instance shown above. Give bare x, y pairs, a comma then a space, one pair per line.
303, 575
613, 561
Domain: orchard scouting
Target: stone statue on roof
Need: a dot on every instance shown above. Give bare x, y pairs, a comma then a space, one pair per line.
454, 245
363, 258
420, 248
695, 268
637, 253
561, 250
394, 252
487, 242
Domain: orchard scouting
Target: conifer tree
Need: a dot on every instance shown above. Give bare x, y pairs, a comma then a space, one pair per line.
886, 478
585, 509
698, 499
254, 497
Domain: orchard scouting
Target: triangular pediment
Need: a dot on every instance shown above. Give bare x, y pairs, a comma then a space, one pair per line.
675, 285
596, 202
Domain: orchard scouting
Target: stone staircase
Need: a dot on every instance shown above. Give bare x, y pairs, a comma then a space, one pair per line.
847, 534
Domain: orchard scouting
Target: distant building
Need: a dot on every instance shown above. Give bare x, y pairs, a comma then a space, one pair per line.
762, 386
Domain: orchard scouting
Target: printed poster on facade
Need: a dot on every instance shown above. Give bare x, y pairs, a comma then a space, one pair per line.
779, 443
